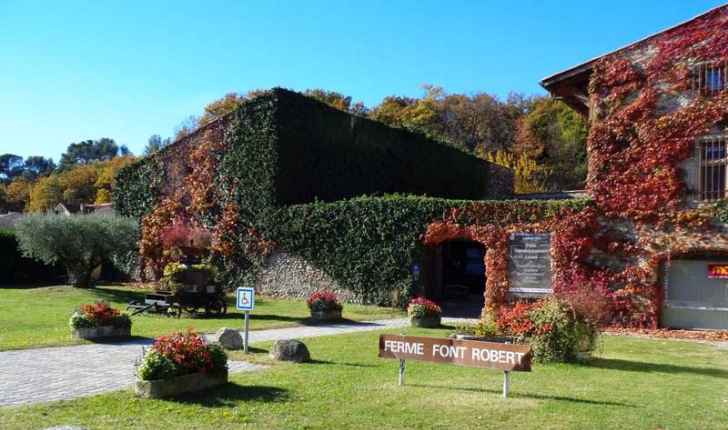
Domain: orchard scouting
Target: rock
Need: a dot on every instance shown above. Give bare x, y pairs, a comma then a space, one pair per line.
290, 350
229, 338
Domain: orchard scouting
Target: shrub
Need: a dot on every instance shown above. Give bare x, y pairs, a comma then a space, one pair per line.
97, 315
552, 328
181, 354
323, 302
422, 308
515, 321
79, 243
556, 335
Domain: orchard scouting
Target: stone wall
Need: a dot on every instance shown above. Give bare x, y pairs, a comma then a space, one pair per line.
291, 277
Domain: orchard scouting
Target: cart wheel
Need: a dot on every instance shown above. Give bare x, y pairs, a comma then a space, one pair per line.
190, 309
216, 307
174, 311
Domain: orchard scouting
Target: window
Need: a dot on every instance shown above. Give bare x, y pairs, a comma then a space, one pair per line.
709, 78
710, 156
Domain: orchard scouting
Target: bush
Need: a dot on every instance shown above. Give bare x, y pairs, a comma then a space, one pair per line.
79, 243
552, 328
323, 302
98, 314
181, 354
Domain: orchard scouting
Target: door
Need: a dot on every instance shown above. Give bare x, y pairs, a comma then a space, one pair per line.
696, 295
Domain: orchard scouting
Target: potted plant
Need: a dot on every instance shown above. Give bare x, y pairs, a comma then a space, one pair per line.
424, 313
180, 363
99, 320
324, 306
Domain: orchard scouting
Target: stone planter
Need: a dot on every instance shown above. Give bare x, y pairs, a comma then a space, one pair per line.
430, 321
180, 385
101, 332
325, 316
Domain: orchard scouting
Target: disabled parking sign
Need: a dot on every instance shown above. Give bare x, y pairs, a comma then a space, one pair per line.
246, 299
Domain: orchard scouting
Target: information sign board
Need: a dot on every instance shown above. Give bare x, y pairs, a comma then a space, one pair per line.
529, 265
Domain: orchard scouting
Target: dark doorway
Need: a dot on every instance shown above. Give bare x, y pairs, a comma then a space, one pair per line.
463, 268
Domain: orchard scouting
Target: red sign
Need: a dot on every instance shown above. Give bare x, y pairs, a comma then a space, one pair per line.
718, 271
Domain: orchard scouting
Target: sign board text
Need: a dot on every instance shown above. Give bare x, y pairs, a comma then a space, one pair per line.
493, 355
529, 265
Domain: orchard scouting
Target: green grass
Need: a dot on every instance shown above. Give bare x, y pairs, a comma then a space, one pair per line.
34, 317
632, 384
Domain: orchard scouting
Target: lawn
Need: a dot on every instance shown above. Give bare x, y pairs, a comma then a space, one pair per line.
33, 317
632, 384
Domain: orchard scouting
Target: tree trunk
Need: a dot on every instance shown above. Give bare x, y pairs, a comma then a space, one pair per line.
79, 277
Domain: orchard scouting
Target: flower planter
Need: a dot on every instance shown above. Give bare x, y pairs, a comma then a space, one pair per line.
180, 385
431, 321
325, 316
101, 332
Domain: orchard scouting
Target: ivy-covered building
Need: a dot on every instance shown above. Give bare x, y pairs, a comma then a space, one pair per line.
658, 164
302, 197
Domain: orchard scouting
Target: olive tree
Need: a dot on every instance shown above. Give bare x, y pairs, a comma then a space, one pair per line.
79, 243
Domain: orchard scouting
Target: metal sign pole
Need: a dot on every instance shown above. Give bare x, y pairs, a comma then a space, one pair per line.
506, 382
247, 320
401, 372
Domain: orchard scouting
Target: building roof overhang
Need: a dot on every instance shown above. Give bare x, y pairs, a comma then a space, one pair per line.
571, 85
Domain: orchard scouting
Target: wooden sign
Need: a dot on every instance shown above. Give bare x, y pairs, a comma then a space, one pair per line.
493, 355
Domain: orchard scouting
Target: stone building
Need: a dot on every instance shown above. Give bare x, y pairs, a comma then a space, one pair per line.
657, 154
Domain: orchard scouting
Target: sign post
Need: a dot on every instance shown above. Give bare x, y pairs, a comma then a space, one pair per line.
502, 356
245, 302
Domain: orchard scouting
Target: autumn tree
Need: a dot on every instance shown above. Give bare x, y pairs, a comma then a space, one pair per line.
84, 183
528, 177
17, 195
554, 136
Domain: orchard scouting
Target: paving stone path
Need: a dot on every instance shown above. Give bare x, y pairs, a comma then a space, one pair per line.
47, 374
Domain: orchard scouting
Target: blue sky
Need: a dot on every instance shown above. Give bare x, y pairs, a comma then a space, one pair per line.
77, 70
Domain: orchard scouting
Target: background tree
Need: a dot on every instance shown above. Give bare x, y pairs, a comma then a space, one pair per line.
89, 151
155, 143
36, 166
79, 243
11, 166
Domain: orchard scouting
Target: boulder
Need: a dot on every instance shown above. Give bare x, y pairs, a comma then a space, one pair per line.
229, 338
290, 350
